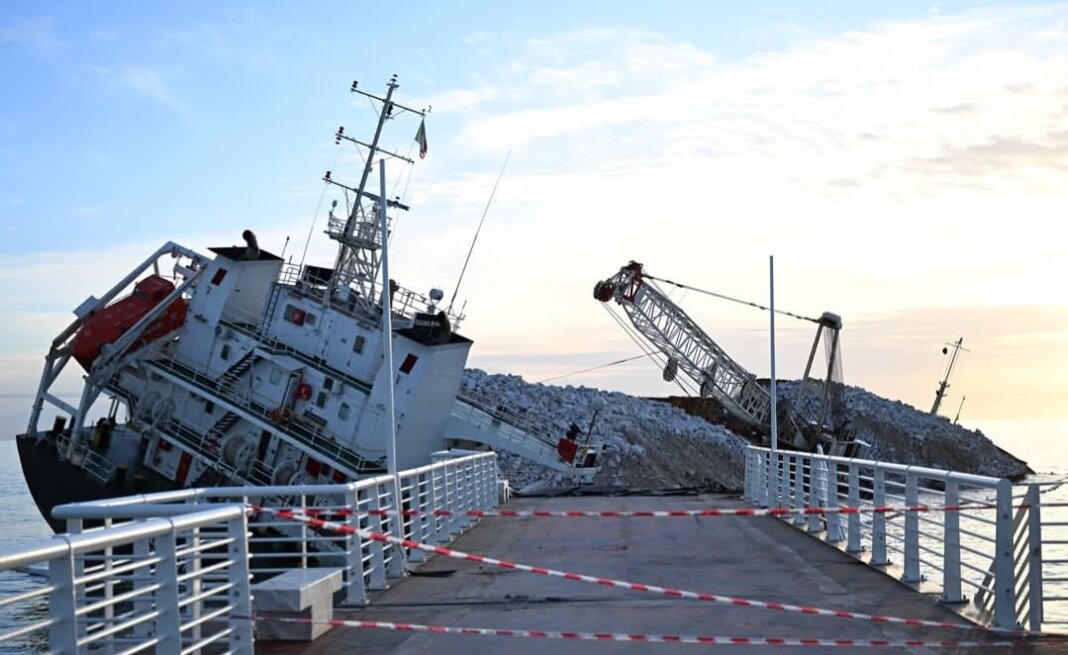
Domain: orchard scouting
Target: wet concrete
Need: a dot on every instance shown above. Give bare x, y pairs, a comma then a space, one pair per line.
758, 558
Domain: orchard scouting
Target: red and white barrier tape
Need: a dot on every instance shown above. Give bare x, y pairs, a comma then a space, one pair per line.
648, 639
624, 514
609, 582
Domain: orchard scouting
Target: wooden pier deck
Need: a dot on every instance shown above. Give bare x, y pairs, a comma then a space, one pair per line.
758, 558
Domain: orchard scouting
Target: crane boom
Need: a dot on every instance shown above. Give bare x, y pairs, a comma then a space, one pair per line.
692, 351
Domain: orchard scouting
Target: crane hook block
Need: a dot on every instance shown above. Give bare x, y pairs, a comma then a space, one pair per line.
603, 291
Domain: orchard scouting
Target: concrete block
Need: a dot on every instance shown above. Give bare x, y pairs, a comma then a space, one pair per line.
300, 593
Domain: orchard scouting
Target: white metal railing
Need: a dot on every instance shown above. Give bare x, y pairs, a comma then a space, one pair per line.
987, 561
111, 564
162, 585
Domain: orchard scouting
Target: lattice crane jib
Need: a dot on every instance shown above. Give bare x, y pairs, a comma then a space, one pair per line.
691, 351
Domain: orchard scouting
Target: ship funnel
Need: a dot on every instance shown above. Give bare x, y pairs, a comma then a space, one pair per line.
253, 250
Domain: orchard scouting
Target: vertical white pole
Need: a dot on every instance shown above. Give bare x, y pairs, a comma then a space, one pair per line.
387, 349
387, 321
774, 394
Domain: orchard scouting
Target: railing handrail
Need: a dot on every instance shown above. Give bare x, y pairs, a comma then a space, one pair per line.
922, 471
150, 566
998, 555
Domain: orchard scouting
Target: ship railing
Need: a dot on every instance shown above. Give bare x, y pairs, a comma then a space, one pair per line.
495, 413
1050, 519
426, 504
317, 439
916, 525
404, 302
83, 456
161, 584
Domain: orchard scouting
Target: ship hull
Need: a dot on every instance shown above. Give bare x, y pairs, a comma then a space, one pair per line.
53, 481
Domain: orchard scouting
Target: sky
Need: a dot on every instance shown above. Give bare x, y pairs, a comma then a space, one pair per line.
904, 162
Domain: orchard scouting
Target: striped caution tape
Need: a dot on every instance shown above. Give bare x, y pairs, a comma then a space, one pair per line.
623, 514
648, 639
609, 582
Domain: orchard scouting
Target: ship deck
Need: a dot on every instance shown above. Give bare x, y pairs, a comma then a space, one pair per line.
758, 558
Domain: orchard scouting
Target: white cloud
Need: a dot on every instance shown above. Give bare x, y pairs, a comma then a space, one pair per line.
146, 81
35, 34
908, 163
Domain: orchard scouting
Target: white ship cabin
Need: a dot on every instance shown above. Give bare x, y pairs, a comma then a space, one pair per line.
270, 383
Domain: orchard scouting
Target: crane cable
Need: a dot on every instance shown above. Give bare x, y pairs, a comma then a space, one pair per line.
730, 298
651, 353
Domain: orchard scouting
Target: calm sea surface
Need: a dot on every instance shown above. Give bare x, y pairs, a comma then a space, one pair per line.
1044, 444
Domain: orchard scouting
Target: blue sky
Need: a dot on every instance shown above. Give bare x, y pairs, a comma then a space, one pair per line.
898, 158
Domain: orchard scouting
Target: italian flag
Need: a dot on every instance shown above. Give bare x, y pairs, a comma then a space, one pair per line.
420, 138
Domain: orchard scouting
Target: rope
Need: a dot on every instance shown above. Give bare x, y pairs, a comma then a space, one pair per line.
730, 298
594, 368
478, 230
318, 208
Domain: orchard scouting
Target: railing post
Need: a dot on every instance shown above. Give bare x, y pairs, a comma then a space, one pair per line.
799, 488
436, 499
834, 519
240, 638
1034, 558
853, 520
377, 548
951, 591
419, 520
395, 567
495, 479
355, 593
776, 475
63, 632
878, 519
747, 483
1004, 582
911, 573
168, 623
815, 478
451, 499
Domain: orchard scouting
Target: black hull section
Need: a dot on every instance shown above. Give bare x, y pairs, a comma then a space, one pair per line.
55, 482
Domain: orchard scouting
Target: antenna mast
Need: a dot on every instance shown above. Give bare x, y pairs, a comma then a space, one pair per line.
942, 386
359, 241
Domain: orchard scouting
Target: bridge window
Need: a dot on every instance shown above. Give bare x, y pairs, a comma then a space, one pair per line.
343, 412
320, 400
219, 276
276, 375
225, 352
357, 345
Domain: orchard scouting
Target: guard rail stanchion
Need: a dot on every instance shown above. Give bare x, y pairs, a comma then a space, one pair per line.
798, 487
1004, 587
240, 637
395, 566
377, 564
911, 573
951, 590
419, 531
143, 603
815, 473
355, 592
853, 535
63, 631
878, 522
834, 520
169, 620
1034, 557
437, 495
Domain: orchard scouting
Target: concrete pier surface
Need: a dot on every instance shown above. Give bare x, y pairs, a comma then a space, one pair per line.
758, 558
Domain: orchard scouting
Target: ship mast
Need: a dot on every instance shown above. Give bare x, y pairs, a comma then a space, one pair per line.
359, 241
944, 384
